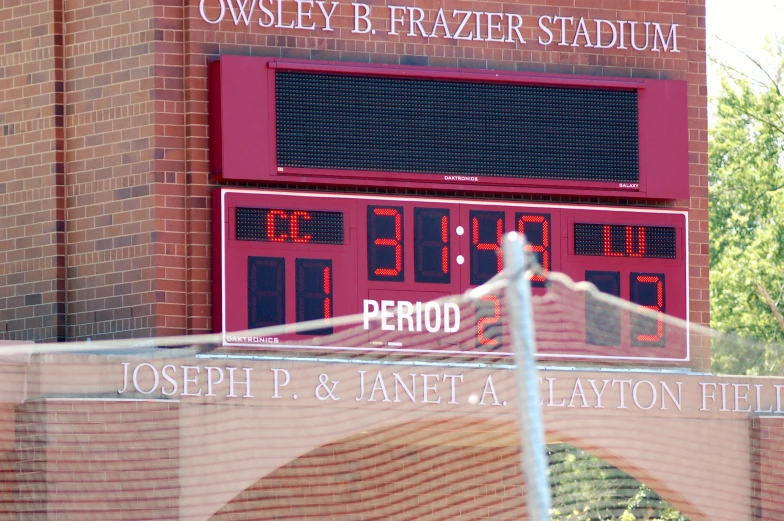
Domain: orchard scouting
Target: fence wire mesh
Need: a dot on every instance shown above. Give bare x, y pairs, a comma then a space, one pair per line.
402, 412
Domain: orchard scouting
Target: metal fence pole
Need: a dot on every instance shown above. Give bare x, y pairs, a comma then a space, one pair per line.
532, 440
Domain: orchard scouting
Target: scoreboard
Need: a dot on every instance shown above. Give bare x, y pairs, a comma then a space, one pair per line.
286, 257
316, 123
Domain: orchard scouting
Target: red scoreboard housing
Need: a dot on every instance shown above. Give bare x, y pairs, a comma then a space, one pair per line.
284, 257
322, 123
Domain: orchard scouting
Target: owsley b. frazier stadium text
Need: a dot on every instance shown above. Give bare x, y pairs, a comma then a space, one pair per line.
406, 385
451, 24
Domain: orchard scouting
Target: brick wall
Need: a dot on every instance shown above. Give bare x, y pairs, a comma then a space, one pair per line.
204, 42
136, 257
767, 465
124, 192
356, 480
8, 464
95, 460
32, 206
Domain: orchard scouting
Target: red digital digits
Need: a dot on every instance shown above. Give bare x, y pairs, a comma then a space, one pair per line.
643, 279
327, 291
633, 248
393, 242
543, 247
488, 321
639, 251
295, 216
445, 240
496, 246
271, 225
314, 294
274, 216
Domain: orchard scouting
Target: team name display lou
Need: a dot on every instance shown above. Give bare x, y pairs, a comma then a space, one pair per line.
450, 24
401, 315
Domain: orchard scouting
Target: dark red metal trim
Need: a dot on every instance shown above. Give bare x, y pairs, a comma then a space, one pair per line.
484, 76
217, 260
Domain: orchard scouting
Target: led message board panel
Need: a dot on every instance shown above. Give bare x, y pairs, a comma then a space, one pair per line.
351, 124
284, 257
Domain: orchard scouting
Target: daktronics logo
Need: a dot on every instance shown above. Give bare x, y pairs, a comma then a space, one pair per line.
460, 178
252, 339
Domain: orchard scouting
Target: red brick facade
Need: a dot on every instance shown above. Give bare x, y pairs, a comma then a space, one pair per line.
360, 480
32, 133
767, 435
97, 460
105, 218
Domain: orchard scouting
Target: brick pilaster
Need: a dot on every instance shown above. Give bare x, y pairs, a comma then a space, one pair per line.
98, 460
767, 467
32, 217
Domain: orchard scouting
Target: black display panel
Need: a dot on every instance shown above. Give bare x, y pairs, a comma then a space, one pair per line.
385, 243
647, 290
487, 231
298, 226
431, 245
314, 292
266, 291
612, 240
536, 229
393, 124
603, 320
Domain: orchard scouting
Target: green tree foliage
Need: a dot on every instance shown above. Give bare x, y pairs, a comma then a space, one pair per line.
746, 182
586, 488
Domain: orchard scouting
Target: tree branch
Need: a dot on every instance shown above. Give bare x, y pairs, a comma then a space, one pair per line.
773, 307
772, 125
755, 62
733, 71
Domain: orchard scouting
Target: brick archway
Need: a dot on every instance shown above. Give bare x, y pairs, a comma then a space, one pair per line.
423, 470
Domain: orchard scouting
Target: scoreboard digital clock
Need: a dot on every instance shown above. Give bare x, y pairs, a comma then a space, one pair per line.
283, 257
321, 123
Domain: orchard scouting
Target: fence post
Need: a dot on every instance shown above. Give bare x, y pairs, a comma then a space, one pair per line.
521, 327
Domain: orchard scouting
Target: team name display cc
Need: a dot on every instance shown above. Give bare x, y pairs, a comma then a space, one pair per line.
451, 24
